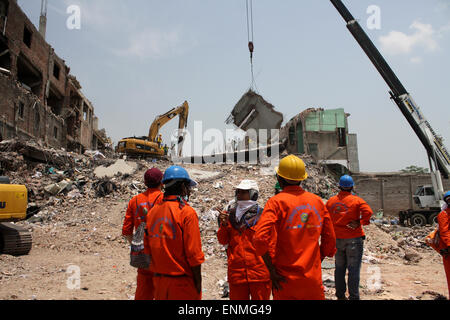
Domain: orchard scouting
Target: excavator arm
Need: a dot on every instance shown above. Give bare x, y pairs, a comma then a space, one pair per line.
181, 111
161, 120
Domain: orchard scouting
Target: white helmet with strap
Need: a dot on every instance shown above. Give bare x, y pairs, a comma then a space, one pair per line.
251, 186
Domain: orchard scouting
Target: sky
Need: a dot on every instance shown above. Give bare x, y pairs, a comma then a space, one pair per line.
138, 59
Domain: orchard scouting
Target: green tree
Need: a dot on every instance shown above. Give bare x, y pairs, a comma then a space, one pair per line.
415, 169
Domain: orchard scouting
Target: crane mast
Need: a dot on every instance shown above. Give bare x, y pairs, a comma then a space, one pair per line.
438, 156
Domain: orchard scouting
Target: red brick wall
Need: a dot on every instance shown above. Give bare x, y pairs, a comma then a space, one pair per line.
38, 54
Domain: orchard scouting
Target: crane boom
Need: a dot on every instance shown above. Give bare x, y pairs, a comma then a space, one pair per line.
437, 153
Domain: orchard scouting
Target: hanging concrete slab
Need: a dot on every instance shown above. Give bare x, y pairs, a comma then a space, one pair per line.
253, 112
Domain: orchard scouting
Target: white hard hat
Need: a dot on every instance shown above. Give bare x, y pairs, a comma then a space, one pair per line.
248, 185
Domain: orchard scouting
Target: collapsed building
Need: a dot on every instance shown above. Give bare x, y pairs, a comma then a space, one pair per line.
321, 133
39, 98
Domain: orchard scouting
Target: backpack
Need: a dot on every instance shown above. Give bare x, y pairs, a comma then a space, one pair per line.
138, 258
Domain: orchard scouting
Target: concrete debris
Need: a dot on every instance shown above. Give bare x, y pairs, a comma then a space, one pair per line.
57, 188
200, 175
120, 166
104, 187
431, 295
328, 280
253, 112
34, 152
74, 214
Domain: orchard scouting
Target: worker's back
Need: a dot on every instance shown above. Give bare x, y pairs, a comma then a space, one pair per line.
174, 237
344, 208
300, 218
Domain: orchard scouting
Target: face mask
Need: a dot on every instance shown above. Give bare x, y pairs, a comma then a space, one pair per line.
242, 207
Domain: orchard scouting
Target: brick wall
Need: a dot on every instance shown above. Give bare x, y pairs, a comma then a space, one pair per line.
391, 192
34, 63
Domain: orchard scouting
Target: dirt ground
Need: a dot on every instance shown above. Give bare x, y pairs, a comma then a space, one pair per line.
47, 273
78, 253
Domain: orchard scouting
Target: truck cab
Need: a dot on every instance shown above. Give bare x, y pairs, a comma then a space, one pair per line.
425, 197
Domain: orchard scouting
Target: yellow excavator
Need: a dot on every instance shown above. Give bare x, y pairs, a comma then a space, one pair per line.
14, 240
149, 146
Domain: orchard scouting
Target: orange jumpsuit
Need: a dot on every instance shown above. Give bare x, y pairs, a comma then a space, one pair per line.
444, 234
144, 289
175, 246
300, 220
247, 273
346, 207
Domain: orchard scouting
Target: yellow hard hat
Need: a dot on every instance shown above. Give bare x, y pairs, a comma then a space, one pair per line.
292, 168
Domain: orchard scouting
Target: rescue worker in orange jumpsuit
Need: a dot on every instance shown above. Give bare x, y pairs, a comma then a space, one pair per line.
295, 220
348, 213
247, 273
173, 240
444, 233
136, 206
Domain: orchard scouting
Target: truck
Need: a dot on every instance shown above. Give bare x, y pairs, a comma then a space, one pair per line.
427, 197
149, 146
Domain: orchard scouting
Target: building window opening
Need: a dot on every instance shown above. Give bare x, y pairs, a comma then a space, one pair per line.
28, 75
27, 35
313, 149
5, 57
342, 137
37, 123
85, 113
2, 8
56, 71
55, 101
21, 110
55, 132
292, 135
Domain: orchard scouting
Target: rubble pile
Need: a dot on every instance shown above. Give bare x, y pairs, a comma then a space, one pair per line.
386, 241
76, 205
318, 182
54, 176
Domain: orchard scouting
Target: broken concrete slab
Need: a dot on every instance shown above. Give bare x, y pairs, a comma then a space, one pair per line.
200, 175
253, 112
57, 188
120, 166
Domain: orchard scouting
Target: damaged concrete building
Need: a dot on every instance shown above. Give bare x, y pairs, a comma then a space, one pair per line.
39, 98
323, 134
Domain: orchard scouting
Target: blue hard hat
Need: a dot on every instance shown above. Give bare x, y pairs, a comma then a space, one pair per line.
346, 182
177, 173
447, 194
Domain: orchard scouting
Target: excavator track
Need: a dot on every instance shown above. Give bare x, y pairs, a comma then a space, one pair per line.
14, 240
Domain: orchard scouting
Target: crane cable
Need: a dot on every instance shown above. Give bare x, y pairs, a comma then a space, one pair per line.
250, 38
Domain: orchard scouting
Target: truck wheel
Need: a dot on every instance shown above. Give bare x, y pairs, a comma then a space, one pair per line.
418, 219
432, 219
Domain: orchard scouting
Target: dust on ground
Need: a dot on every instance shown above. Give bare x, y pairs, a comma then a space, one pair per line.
77, 235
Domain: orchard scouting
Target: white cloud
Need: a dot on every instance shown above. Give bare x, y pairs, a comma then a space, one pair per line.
152, 44
415, 60
156, 44
397, 42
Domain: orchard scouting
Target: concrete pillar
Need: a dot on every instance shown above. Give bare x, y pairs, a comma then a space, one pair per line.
43, 26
